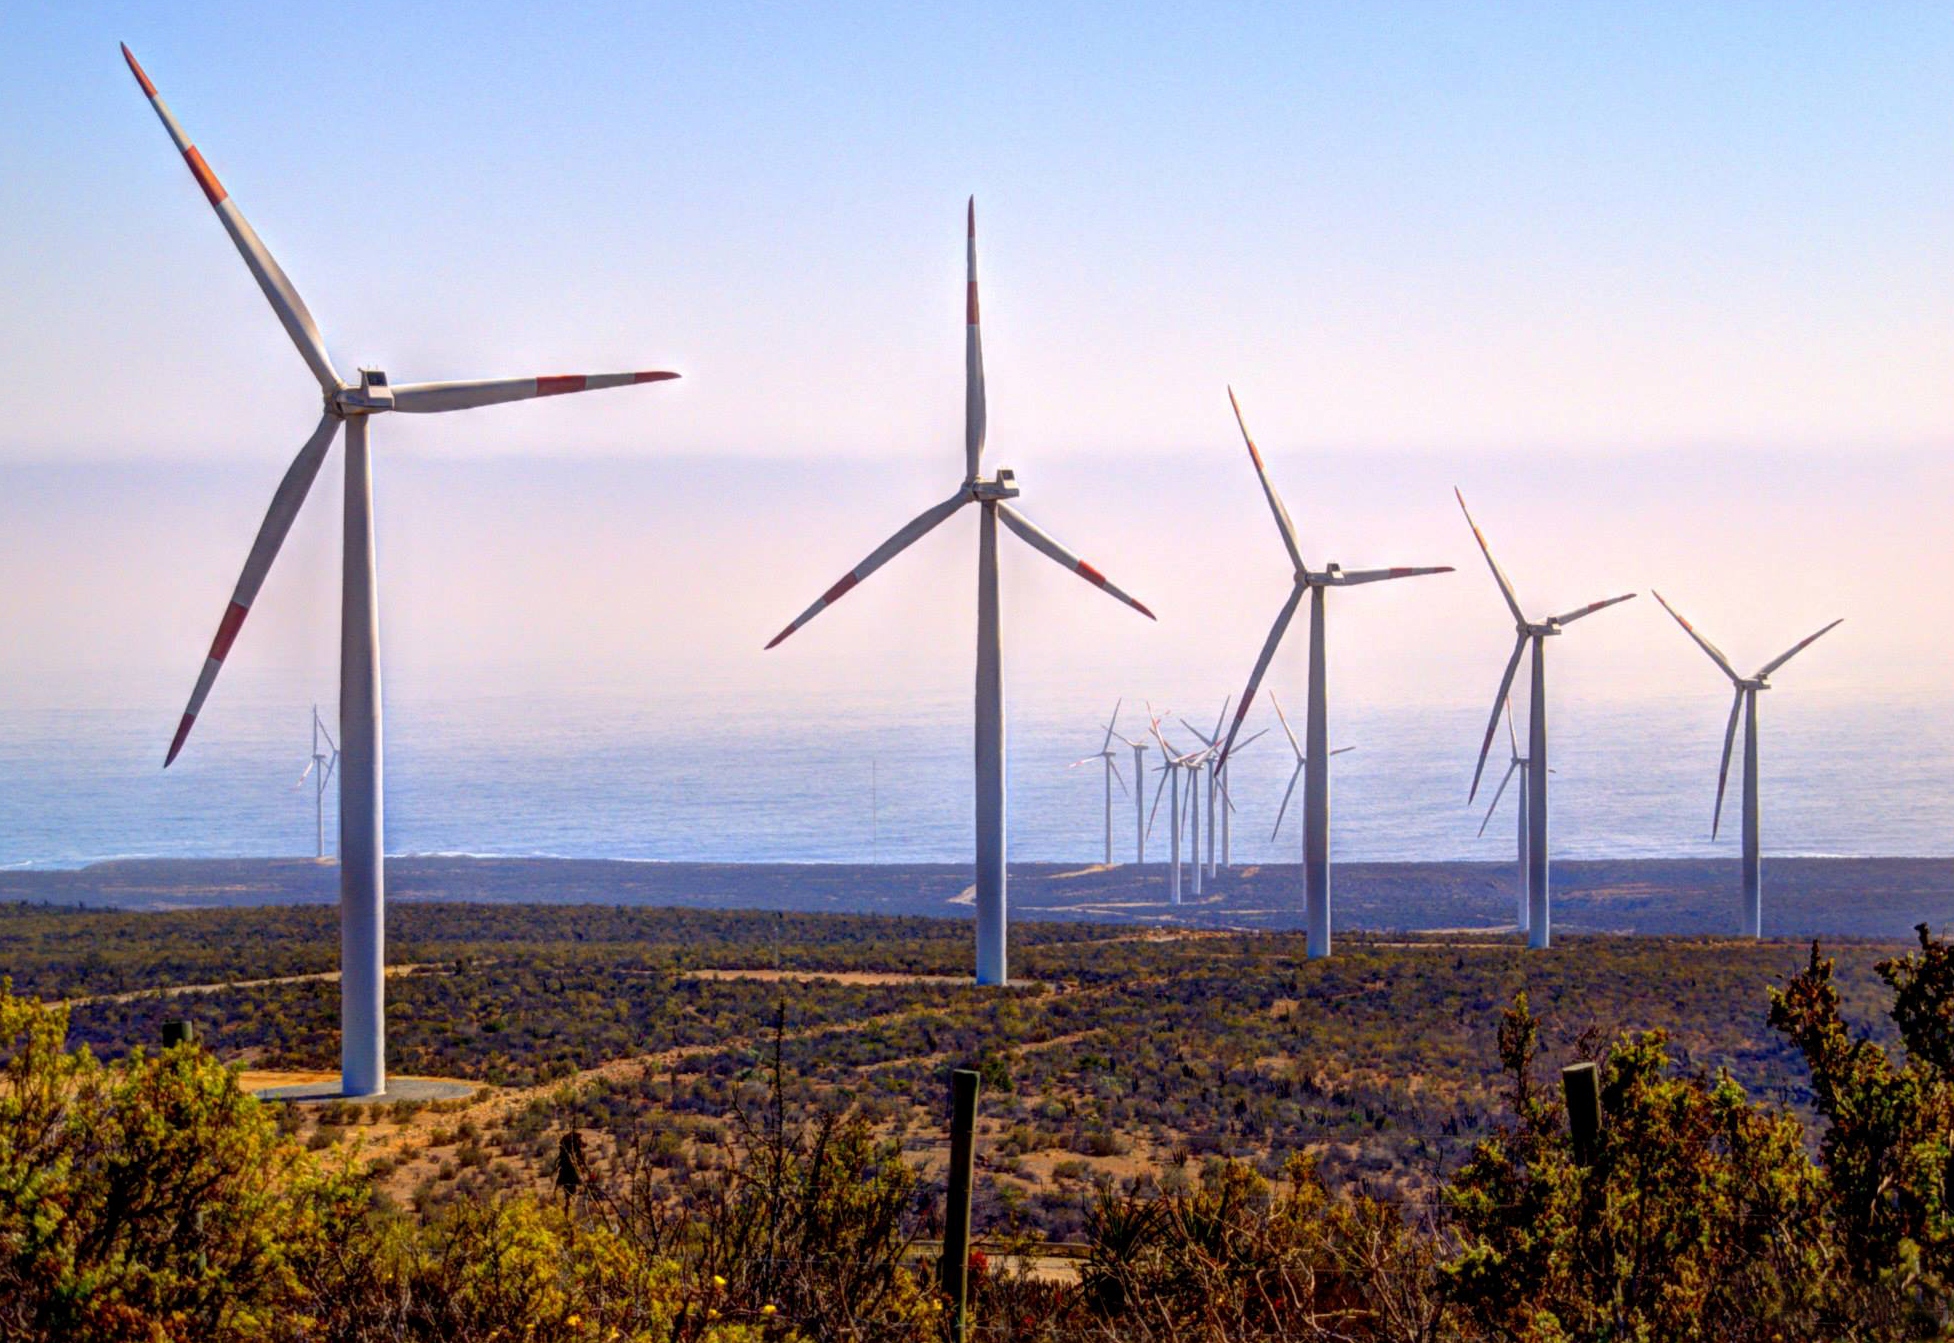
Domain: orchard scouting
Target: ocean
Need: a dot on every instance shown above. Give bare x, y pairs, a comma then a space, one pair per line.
618, 770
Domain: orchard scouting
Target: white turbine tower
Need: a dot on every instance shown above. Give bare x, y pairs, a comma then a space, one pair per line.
1751, 913
1105, 755
1518, 765
1139, 748
322, 765
1536, 633
1316, 728
1302, 763
989, 493
363, 1069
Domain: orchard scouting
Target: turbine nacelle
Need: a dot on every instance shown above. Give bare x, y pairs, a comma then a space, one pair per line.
1003, 486
373, 395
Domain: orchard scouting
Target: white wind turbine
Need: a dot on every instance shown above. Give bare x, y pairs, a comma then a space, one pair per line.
1518, 765
1536, 633
1214, 773
363, 1069
1105, 756
1173, 764
1139, 748
1316, 727
989, 493
1302, 762
322, 766
1751, 914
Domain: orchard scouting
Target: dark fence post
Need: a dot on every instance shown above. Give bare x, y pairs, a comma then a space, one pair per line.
1581, 1083
956, 1211
179, 1033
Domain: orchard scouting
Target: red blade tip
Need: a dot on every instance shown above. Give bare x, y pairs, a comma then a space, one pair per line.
136, 69
176, 742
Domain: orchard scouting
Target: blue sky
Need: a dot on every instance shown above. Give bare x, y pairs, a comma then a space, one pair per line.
1667, 288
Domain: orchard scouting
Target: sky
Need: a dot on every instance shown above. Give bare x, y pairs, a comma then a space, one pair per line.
1666, 289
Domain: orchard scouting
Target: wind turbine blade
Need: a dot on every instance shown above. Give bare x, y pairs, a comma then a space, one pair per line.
278, 289
1158, 789
427, 398
1283, 810
285, 503
1269, 647
307, 773
1118, 778
329, 741
331, 765
1283, 524
1106, 745
1499, 793
1512, 737
1796, 649
1289, 732
1570, 617
1357, 577
1249, 741
1205, 739
1499, 575
1219, 719
1499, 700
1044, 544
1716, 654
1723, 770
905, 537
973, 366
1084, 759
1346, 750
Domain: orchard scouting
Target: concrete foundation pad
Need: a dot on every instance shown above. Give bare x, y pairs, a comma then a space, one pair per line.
398, 1089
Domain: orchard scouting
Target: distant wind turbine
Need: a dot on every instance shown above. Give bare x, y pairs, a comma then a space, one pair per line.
1105, 755
1302, 763
1751, 914
1173, 764
1518, 765
1215, 775
363, 1067
1139, 748
1536, 633
1316, 730
322, 766
989, 493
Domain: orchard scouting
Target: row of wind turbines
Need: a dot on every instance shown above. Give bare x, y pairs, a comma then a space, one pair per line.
357, 757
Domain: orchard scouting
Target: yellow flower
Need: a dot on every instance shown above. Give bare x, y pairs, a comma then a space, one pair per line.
575, 1321
767, 1309
712, 1314
718, 1281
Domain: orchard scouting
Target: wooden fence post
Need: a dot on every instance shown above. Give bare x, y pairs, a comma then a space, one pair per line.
956, 1211
1581, 1083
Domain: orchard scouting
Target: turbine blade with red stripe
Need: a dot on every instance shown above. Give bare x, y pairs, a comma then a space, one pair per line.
1283, 524
973, 365
1570, 617
1796, 649
907, 536
426, 398
1358, 577
1716, 654
1499, 575
1037, 540
1269, 647
285, 504
284, 297
1499, 702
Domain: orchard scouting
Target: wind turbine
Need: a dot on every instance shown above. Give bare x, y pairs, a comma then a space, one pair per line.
1172, 765
1751, 914
1139, 749
1518, 765
363, 1069
1302, 762
1535, 633
1105, 756
322, 765
989, 493
1216, 776
1316, 729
